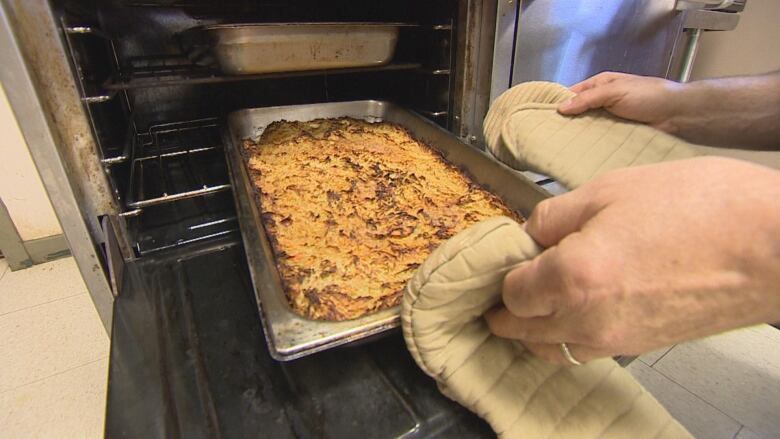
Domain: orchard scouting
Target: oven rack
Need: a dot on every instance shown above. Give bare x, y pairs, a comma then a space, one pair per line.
175, 161
178, 191
185, 231
171, 70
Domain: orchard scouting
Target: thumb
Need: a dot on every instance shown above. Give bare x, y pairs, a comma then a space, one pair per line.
555, 218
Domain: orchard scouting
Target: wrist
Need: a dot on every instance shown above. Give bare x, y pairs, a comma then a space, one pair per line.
688, 105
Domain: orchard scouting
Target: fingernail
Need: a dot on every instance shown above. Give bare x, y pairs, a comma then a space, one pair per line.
565, 105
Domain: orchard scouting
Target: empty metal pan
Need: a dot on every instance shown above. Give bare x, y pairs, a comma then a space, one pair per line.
241, 49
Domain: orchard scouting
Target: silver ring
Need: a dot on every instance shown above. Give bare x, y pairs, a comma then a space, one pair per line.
569, 357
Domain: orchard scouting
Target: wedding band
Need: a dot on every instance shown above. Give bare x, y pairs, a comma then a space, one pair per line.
569, 357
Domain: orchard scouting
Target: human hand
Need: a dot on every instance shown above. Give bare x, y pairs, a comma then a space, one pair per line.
644, 257
654, 101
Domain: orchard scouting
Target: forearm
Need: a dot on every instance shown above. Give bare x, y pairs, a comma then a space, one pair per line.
740, 112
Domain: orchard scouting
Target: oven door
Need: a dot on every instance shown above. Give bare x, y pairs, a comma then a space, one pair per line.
188, 359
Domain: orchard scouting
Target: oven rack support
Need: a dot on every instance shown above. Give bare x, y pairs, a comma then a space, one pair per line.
442, 72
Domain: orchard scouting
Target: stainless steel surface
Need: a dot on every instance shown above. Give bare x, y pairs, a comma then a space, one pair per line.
567, 41
265, 48
289, 335
700, 20
474, 57
503, 47
689, 56
711, 20
76, 188
717, 5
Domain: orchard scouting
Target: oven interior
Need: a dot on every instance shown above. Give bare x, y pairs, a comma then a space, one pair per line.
157, 115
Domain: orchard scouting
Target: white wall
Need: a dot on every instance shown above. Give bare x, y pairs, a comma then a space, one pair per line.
20, 186
753, 47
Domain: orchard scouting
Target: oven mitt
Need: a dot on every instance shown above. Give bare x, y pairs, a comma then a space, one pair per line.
524, 130
519, 394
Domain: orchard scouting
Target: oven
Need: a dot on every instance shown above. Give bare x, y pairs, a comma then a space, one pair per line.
125, 122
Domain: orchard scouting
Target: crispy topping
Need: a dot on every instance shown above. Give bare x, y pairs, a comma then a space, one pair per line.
352, 208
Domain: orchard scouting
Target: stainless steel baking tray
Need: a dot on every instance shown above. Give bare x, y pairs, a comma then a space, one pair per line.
289, 335
241, 49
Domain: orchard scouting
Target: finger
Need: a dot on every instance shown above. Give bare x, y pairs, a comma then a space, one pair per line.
555, 218
555, 283
595, 81
552, 353
597, 97
543, 286
532, 290
535, 330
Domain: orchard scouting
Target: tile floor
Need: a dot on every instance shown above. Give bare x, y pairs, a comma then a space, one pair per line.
53, 354
54, 359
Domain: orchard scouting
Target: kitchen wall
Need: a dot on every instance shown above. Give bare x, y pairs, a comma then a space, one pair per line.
20, 186
753, 47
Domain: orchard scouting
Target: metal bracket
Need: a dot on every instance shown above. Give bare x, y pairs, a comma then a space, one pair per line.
710, 20
696, 22
684, 5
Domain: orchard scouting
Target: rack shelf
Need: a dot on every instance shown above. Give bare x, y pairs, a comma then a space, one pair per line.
162, 71
176, 161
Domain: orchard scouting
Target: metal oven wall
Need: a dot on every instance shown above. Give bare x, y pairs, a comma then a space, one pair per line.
567, 41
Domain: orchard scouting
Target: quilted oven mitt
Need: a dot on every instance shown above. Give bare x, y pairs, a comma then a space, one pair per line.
524, 130
498, 379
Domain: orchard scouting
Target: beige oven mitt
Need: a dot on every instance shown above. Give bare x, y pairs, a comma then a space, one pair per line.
524, 130
520, 395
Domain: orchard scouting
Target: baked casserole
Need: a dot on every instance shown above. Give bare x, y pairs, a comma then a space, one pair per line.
352, 208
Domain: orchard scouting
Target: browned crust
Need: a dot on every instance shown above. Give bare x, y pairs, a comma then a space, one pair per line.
351, 208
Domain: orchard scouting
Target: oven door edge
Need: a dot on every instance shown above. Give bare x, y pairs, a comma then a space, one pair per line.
77, 215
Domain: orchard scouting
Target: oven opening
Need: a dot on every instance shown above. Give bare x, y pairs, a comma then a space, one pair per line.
157, 100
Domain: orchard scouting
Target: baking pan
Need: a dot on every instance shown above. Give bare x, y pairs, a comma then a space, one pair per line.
289, 335
241, 49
